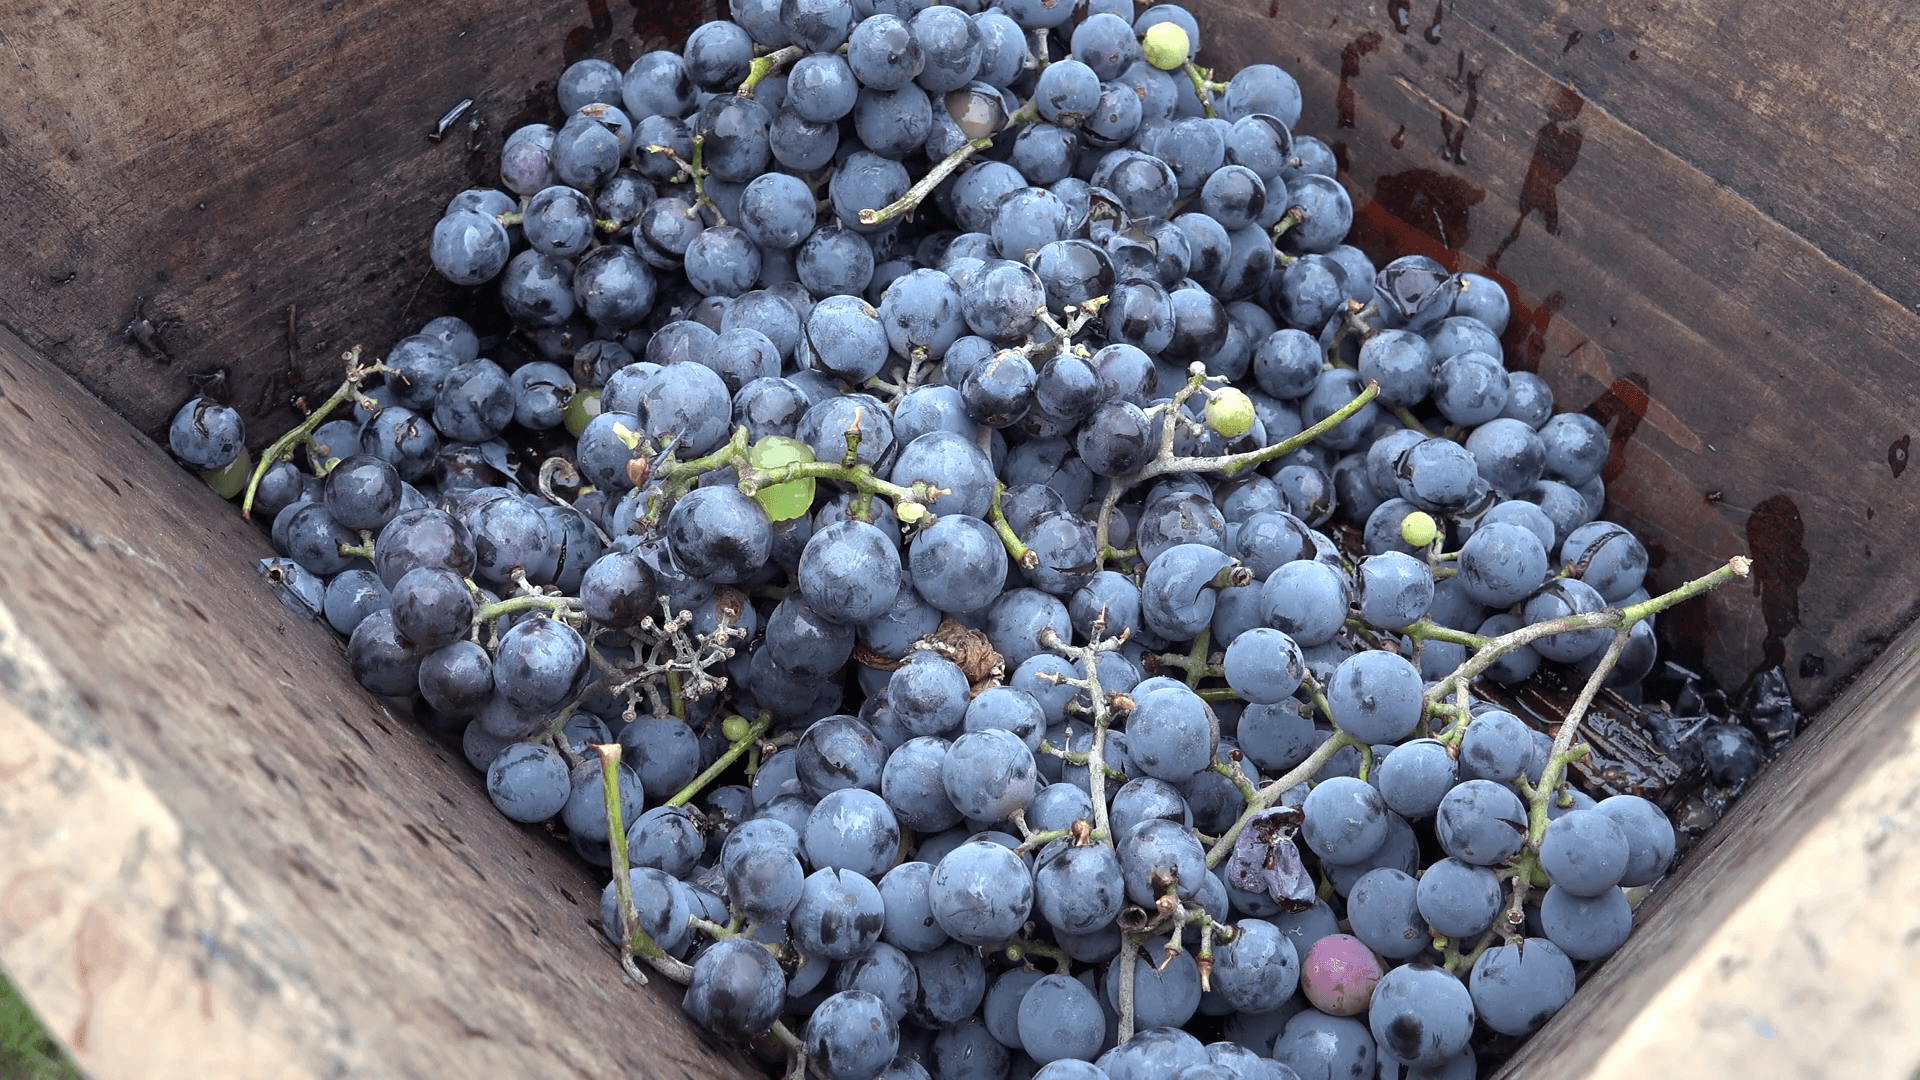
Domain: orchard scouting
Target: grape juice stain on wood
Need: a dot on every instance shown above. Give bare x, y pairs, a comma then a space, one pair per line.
1619, 409
1556, 150
1897, 454
1776, 537
582, 39
1350, 67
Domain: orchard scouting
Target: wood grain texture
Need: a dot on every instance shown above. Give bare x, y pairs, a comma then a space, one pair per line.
228, 160
1757, 390
218, 856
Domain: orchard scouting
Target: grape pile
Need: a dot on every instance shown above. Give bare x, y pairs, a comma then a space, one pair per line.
999, 581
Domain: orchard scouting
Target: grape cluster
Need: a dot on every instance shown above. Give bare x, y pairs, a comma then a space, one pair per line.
998, 579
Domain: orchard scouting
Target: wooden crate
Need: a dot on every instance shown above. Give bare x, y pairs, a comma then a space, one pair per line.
218, 857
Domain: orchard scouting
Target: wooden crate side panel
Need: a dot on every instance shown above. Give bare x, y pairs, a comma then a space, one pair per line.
218, 855
1759, 394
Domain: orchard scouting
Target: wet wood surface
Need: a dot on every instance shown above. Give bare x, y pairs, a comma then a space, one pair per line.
218, 856
1680, 202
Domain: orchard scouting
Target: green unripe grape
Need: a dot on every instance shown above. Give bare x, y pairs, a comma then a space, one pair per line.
783, 502
581, 411
1166, 46
232, 479
1419, 529
1229, 411
734, 728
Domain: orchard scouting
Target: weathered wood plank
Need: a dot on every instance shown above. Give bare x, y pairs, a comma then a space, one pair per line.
1788, 105
227, 161
1758, 392
218, 856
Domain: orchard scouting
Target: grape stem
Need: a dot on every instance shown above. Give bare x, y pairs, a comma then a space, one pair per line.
1020, 553
1165, 462
1270, 793
559, 606
634, 940
696, 170
283, 447
1618, 619
1203, 87
1018, 949
1088, 655
764, 66
1128, 948
918, 193
739, 746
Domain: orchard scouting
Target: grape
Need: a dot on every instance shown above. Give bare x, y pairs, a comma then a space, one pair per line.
1307, 600
528, 782
850, 1037
1383, 907
1257, 970
1586, 928
1264, 666
1338, 975
1498, 746
1649, 835
1376, 697
1315, 1044
953, 982
838, 916
1481, 822
980, 892
1421, 1014
1345, 821
1584, 853
989, 774
1458, 899
737, 989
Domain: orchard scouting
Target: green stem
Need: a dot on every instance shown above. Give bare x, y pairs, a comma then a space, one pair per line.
918, 193
1196, 665
534, 602
635, 940
1201, 88
1271, 792
1406, 417
764, 66
1428, 630
1020, 553
1610, 619
1165, 462
283, 447
751, 740
1296, 215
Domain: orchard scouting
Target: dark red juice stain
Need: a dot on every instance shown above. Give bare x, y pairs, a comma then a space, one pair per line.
1433, 28
1897, 455
1453, 140
1399, 140
1349, 67
1556, 150
1572, 40
1620, 408
1273, 9
1435, 204
1777, 538
1526, 337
